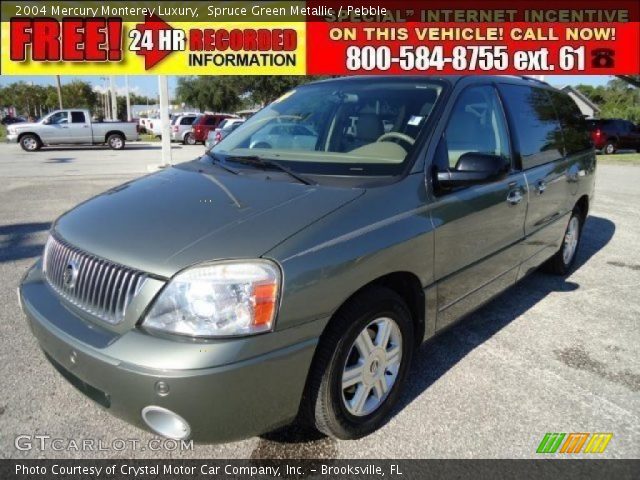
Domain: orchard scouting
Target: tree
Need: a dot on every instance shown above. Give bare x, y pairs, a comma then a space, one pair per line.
37, 100
265, 89
135, 100
227, 93
79, 94
632, 79
218, 94
618, 99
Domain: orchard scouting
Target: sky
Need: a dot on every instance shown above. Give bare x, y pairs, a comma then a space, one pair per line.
148, 84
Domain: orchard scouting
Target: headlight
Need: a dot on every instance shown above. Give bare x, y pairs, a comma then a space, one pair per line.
219, 299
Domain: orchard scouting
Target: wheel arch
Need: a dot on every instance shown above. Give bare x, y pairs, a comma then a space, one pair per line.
583, 205
22, 134
114, 132
407, 285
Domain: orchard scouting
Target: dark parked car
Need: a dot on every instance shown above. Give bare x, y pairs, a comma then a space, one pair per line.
10, 120
205, 123
225, 297
612, 134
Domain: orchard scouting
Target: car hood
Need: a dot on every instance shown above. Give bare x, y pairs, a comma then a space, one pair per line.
23, 125
181, 216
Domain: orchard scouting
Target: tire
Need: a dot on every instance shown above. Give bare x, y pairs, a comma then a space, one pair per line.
333, 409
609, 148
115, 141
189, 139
563, 260
30, 142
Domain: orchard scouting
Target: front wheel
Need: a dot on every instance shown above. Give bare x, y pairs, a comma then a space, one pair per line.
609, 148
115, 141
360, 366
30, 142
562, 262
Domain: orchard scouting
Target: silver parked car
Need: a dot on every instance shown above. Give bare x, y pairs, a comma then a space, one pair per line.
227, 126
181, 128
292, 136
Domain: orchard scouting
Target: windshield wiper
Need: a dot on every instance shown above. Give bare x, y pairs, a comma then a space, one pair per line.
264, 163
219, 163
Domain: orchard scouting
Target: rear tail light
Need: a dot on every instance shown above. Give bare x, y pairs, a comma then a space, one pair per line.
175, 128
150, 124
218, 136
598, 133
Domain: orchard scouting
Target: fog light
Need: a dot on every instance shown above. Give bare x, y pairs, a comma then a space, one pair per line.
162, 389
166, 423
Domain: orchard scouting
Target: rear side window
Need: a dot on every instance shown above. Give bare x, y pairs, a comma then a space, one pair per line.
77, 117
535, 122
477, 124
187, 120
574, 127
210, 121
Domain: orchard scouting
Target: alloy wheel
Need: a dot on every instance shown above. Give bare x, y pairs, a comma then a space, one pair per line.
372, 367
30, 143
571, 240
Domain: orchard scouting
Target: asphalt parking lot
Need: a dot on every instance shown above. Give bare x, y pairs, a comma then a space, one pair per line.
550, 355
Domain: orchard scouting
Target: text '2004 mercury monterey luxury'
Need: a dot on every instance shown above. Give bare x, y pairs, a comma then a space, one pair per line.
293, 274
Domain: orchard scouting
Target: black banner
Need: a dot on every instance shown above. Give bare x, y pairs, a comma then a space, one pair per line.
552, 469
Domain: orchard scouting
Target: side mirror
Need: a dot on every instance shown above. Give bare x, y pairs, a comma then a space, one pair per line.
472, 168
45, 121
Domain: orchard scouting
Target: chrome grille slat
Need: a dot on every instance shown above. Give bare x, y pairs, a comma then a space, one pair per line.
122, 294
86, 286
96, 293
102, 288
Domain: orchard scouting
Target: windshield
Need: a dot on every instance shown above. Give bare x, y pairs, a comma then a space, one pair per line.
350, 127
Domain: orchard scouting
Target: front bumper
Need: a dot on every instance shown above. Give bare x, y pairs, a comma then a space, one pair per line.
226, 401
12, 137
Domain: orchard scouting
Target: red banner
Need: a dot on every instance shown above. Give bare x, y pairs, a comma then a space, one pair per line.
452, 38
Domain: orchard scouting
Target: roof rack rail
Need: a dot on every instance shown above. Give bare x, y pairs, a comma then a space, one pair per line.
533, 79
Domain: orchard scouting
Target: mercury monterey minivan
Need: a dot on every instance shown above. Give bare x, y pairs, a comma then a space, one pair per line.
227, 296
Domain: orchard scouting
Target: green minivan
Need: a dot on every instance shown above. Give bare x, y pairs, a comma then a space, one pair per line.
292, 271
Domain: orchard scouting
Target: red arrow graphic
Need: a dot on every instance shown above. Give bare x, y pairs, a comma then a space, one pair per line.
152, 55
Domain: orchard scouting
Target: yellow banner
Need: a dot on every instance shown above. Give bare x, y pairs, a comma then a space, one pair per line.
176, 38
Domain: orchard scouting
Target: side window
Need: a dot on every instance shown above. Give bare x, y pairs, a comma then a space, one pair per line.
58, 118
477, 124
187, 120
574, 127
210, 121
77, 117
536, 124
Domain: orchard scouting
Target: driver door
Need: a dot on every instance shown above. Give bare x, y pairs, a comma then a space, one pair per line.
478, 228
55, 128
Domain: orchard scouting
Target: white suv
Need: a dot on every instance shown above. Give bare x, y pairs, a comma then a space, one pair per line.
181, 129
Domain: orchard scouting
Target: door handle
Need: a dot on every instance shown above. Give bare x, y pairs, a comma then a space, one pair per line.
64, 127
85, 126
541, 186
515, 197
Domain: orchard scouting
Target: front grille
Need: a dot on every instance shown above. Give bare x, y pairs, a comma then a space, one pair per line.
92, 284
